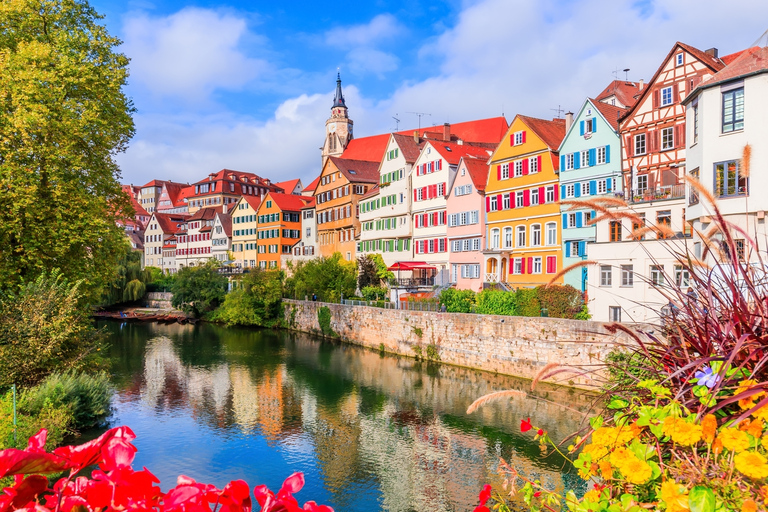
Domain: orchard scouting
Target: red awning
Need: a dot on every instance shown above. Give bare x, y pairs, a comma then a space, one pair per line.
411, 265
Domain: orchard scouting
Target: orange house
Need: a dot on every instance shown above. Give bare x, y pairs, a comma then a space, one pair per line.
278, 227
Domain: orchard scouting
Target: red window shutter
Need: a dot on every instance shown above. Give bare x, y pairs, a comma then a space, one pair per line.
418, 224
415, 195
551, 264
628, 146
675, 93
557, 193
522, 265
512, 200
499, 202
512, 139
530, 264
524, 136
525, 166
538, 163
511, 265
498, 172
656, 99
655, 140
526, 198
434, 219
445, 245
680, 135
487, 203
542, 196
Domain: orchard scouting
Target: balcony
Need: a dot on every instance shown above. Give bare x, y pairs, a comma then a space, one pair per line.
412, 282
656, 194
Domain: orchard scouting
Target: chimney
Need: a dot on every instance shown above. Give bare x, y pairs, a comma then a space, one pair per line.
640, 85
224, 208
568, 120
712, 51
447, 132
416, 136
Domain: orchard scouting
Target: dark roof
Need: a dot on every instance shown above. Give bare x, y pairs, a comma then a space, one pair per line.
610, 113
338, 99
453, 153
357, 171
168, 221
225, 219
373, 192
551, 132
206, 213
624, 91
247, 178
408, 146
478, 171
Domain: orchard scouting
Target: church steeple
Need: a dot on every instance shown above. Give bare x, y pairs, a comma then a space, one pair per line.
338, 127
338, 100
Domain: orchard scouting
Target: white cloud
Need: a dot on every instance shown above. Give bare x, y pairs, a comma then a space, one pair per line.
365, 60
381, 28
188, 54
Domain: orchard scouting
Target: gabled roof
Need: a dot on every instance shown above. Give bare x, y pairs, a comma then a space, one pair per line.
254, 201
624, 91
452, 153
169, 222
207, 213
478, 171
610, 113
225, 219
310, 204
409, 148
357, 171
289, 186
184, 193
312, 186
175, 190
550, 132
288, 202
240, 177
751, 61
160, 183
373, 192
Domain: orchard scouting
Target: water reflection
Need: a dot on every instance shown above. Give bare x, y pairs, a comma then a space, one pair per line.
370, 432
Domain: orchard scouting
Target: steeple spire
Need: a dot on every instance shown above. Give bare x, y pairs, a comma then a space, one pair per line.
338, 100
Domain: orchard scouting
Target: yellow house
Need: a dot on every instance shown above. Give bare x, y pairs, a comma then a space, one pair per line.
244, 232
523, 247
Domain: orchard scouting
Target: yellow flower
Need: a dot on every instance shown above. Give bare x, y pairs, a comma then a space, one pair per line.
675, 496
755, 428
761, 413
596, 451
592, 496
749, 402
634, 470
588, 472
708, 428
749, 506
751, 464
606, 470
734, 440
764, 441
682, 432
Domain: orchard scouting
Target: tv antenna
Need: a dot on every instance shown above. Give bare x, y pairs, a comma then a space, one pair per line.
397, 122
626, 75
559, 111
419, 114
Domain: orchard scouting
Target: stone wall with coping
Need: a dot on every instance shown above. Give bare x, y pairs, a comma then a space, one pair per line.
519, 346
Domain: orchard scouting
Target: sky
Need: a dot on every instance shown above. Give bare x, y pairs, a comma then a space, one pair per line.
248, 85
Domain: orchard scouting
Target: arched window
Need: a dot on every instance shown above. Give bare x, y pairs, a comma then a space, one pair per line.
495, 238
535, 235
551, 233
520, 236
508, 238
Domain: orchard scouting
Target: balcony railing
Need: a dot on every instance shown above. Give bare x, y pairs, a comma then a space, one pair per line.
656, 194
491, 277
415, 281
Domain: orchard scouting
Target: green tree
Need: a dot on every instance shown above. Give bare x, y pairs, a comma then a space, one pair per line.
130, 282
496, 302
457, 301
45, 326
63, 117
197, 290
327, 277
257, 300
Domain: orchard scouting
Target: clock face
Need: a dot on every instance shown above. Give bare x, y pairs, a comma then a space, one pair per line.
332, 127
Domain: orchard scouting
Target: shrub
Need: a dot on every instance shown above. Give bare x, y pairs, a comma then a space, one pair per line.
329, 278
324, 319
130, 282
527, 302
560, 301
45, 326
374, 293
56, 419
256, 300
87, 397
458, 301
197, 290
496, 302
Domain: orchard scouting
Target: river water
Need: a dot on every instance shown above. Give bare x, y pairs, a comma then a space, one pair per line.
369, 431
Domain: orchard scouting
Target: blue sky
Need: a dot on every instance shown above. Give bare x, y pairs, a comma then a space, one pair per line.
248, 85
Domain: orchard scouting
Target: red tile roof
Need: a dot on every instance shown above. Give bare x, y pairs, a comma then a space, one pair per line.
288, 202
610, 112
289, 186
160, 183
373, 192
370, 149
207, 213
624, 91
310, 204
254, 201
478, 171
312, 186
409, 148
727, 59
184, 194
169, 222
551, 132
750, 61
226, 223
452, 153
358, 171
240, 177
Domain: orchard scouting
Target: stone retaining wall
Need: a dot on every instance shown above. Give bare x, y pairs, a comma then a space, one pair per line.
519, 346
160, 300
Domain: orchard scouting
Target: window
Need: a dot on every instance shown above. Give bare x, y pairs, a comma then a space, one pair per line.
679, 59
569, 161
729, 181
570, 190
666, 96
739, 243
573, 249
494, 239
518, 168
693, 196
519, 199
536, 235
517, 266
505, 171
505, 201
551, 233
536, 265
585, 188
589, 125
638, 225
642, 183
657, 275
600, 155
534, 196
615, 231
587, 216
584, 158
682, 277
667, 138
627, 276
606, 275
602, 186
508, 238
695, 123
570, 220
639, 144
550, 194
519, 138
614, 313
664, 218
733, 110
533, 165
520, 236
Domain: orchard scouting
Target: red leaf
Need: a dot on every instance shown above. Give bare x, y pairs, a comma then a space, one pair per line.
525, 425
540, 432
485, 494
180, 495
21, 494
311, 506
89, 453
481, 508
37, 442
117, 453
292, 485
537, 494
18, 462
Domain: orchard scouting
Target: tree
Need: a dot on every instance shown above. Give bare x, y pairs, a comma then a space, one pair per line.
45, 326
197, 290
130, 282
327, 277
257, 300
63, 117
369, 273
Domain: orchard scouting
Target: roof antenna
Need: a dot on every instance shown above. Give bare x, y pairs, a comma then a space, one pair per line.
615, 73
626, 75
397, 122
559, 111
761, 41
419, 114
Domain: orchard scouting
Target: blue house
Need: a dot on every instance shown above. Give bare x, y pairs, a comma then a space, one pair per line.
590, 167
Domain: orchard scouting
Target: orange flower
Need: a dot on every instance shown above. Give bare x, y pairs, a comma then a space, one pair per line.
749, 506
606, 470
734, 440
717, 446
709, 426
755, 428
748, 402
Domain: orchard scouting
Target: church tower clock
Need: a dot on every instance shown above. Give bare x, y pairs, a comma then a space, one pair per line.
338, 127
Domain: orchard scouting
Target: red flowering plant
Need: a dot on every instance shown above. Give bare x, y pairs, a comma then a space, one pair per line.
115, 486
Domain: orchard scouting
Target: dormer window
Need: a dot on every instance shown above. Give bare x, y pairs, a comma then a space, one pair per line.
679, 59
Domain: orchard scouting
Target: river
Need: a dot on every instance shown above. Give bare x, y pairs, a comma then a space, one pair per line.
370, 431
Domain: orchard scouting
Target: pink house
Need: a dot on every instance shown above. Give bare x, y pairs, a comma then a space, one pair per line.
466, 223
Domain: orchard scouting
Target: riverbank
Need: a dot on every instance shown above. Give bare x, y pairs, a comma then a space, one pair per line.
515, 346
